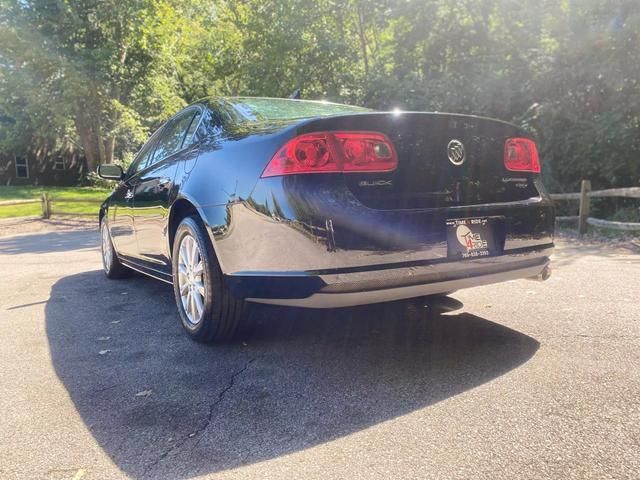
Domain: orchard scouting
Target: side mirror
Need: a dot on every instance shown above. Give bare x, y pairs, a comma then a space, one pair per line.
110, 172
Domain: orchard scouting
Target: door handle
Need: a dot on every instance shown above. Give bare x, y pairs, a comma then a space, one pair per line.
163, 181
128, 195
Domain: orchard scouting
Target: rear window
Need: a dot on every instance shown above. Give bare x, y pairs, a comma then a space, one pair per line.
259, 110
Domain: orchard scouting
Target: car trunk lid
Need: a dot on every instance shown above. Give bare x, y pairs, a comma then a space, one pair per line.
443, 160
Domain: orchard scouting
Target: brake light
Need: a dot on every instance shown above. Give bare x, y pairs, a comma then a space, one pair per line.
521, 155
334, 152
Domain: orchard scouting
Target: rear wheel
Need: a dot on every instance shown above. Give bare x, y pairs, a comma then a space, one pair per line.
110, 261
208, 311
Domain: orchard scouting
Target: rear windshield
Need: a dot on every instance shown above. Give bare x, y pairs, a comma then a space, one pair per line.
259, 110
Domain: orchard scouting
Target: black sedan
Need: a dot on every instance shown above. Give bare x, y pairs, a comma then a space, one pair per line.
315, 204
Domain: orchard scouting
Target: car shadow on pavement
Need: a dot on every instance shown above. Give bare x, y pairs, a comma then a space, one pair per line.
162, 406
49, 242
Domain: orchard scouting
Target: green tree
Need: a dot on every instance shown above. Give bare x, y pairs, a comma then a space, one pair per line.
104, 73
90, 60
587, 110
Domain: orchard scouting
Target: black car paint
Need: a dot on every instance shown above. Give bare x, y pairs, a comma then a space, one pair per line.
219, 174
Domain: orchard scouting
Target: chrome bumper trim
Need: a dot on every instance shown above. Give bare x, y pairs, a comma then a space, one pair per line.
337, 300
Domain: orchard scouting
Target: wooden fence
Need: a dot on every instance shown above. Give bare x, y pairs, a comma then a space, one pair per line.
585, 195
47, 203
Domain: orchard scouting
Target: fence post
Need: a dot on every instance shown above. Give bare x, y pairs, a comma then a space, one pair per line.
46, 205
45, 209
585, 206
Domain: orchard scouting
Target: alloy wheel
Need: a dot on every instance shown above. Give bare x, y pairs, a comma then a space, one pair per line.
190, 279
107, 249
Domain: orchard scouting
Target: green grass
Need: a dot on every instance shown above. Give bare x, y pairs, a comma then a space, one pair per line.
58, 194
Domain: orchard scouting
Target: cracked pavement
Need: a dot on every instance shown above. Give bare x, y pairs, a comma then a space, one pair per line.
528, 380
149, 470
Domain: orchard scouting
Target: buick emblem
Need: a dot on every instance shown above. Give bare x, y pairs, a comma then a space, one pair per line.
455, 152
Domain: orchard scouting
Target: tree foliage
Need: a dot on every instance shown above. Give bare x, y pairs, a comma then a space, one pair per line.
103, 73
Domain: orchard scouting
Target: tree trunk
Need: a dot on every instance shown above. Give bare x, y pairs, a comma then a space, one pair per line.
97, 149
109, 145
87, 140
100, 142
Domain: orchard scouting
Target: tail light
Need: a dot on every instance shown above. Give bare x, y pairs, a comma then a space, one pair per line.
334, 152
521, 155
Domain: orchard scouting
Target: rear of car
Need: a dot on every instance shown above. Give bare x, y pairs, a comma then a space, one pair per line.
361, 207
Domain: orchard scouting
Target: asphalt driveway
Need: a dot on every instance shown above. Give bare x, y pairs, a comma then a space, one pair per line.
529, 380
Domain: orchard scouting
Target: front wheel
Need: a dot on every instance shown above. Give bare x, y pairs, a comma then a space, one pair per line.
110, 261
208, 311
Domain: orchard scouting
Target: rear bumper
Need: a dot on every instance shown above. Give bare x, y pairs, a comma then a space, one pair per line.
387, 283
310, 242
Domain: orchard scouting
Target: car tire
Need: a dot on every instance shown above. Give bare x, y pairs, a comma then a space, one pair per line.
208, 311
111, 264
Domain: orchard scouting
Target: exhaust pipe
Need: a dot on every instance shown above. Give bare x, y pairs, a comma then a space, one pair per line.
543, 275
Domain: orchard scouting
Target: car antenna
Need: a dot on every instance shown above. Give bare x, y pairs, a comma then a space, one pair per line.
296, 94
